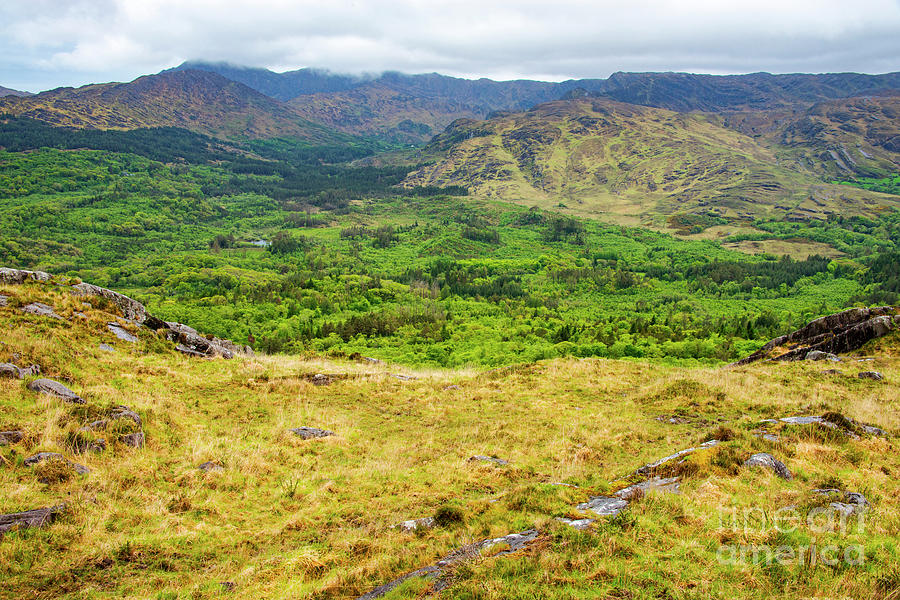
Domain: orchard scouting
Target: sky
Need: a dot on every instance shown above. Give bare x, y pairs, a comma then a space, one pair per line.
51, 43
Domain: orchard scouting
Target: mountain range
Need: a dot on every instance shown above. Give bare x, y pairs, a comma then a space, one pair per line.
640, 146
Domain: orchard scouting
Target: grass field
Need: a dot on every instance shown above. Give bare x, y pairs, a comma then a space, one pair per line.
292, 518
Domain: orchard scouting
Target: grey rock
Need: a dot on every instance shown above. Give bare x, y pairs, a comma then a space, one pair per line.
9, 371
211, 466
605, 506
490, 459
413, 524
651, 467
451, 387
835, 334
308, 433
131, 309
30, 518
123, 412
134, 440
190, 351
4, 300
55, 388
576, 523
40, 309
107, 348
10, 437
20, 276
819, 355
767, 461
403, 377
874, 375
655, 484
42, 456
438, 571
121, 333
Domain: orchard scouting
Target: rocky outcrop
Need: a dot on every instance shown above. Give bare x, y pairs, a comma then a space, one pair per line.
187, 340
842, 332
30, 518
20, 276
55, 388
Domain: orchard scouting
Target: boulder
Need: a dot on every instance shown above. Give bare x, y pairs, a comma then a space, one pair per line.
10, 437
210, 466
55, 388
107, 348
30, 518
308, 433
767, 461
42, 456
20, 276
874, 375
11, 371
4, 300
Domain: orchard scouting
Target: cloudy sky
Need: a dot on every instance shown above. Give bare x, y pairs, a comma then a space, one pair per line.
50, 43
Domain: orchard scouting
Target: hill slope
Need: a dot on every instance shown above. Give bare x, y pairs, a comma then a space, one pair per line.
411, 108
222, 497
196, 100
4, 91
601, 156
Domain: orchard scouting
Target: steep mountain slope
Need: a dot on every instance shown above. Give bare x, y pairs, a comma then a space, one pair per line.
690, 92
281, 86
411, 108
601, 156
5, 91
197, 100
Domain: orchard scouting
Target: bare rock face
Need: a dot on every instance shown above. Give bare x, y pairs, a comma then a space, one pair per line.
30, 518
55, 388
767, 461
842, 332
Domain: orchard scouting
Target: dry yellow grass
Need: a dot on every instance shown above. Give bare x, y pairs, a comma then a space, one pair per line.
288, 518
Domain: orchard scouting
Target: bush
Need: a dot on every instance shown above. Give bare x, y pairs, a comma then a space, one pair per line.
449, 515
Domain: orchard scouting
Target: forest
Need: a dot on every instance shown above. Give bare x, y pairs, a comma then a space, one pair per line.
284, 250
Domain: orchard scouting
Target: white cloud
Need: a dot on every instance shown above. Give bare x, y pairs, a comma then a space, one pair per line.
48, 42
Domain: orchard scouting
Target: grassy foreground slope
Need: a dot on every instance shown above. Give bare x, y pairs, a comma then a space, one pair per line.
288, 518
